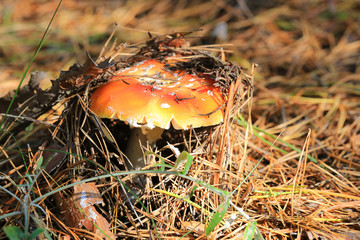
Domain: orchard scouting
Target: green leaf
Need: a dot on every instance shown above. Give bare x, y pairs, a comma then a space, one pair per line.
258, 235
39, 163
13, 232
29, 128
218, 216
250, 231
192, 191
47, 235
285, 25
184, 156
162, 164
36, 233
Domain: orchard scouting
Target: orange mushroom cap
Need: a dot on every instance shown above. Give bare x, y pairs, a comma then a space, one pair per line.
148, 94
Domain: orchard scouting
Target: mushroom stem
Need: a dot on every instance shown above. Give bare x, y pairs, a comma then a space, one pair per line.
142, 136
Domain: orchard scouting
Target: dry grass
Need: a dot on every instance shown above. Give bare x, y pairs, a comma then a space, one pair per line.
289, 157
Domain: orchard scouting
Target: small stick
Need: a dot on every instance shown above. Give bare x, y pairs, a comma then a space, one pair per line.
220, 157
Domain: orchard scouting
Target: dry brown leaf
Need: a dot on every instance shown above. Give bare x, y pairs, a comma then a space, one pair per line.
194, 226
84, 197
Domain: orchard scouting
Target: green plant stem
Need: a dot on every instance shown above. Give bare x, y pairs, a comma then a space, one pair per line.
222, 193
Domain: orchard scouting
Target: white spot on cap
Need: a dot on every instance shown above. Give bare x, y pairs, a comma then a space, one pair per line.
149, 125
174, 85
134, 123
147, 68
189, 85
110, 109
133, 71
164, 105
139, 63
210, 93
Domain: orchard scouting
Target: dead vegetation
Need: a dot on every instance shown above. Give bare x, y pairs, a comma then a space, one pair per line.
287, 159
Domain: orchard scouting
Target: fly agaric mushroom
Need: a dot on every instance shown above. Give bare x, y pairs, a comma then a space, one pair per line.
151, 98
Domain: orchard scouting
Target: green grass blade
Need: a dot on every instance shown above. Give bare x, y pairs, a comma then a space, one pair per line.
10, 214
42, 41
256, 131
184, 156
13, 195
218, 216
250, 231
36, 233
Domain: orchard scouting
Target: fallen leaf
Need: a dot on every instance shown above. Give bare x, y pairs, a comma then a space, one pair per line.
194, 226
79, 210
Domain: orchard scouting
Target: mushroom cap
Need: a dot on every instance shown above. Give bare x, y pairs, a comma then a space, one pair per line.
148, 94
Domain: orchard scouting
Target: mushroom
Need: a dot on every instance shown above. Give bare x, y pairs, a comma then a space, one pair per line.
150, 98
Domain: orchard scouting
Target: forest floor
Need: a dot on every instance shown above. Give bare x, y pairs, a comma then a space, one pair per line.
289, 158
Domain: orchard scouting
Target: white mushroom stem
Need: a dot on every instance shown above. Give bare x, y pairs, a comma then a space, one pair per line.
140, 137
